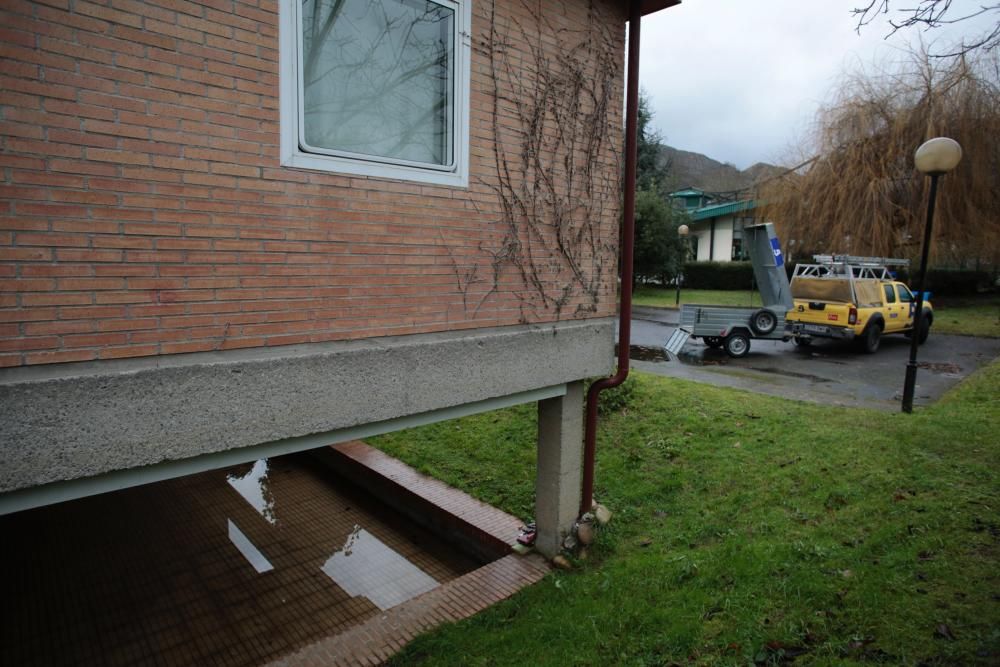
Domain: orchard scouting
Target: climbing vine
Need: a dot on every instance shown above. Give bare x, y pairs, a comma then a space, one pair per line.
558, 160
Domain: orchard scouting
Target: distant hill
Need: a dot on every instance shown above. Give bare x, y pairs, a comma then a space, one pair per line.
688, 169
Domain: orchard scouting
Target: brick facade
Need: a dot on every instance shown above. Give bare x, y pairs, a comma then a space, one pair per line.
144, 210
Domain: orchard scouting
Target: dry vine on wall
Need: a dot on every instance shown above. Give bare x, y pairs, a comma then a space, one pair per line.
558, 162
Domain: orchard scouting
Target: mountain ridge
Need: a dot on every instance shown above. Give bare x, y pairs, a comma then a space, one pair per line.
688, 169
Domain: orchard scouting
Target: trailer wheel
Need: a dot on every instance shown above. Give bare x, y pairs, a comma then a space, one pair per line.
763, 322
713, 342
737, 345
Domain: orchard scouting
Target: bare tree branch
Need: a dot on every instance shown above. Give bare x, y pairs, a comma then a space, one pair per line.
928, 15
863, 183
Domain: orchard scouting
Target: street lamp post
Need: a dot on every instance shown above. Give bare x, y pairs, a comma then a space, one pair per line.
935, 157
682, 233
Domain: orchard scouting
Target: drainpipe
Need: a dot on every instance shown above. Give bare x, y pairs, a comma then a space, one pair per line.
628, 247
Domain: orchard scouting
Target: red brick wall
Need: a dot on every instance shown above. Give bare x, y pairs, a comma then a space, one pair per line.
143, 209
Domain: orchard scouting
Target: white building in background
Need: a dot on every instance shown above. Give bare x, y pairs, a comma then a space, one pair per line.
716, 226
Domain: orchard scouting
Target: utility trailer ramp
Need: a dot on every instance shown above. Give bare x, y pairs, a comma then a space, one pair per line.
676, 341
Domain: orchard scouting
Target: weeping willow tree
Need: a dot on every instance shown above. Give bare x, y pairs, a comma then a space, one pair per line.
861, 194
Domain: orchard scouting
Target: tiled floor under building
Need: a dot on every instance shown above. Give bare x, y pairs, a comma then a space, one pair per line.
228, 567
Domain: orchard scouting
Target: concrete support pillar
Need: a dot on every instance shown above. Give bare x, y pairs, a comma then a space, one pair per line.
560, 465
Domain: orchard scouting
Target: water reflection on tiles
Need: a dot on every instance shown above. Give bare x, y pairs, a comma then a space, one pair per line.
366, 566
253, 555
253, 486
176, 573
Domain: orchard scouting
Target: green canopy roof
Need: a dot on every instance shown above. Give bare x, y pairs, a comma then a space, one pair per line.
717, 210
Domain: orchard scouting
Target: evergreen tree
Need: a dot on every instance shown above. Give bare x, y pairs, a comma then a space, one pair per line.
651, 171
657, 246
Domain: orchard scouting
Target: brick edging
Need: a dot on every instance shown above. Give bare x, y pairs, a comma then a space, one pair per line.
375, 640
497, 524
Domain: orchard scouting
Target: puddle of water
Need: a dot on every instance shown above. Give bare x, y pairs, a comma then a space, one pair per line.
247, 548
366, 566
254, 489
644, 353
216, 567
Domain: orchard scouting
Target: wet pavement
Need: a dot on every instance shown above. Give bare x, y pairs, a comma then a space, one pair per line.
228, 567
828, 372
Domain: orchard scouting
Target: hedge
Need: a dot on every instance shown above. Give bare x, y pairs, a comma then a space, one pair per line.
956, 282
718, 275
739, 276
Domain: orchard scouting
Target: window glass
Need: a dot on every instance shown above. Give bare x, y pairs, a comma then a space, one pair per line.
378, 79
737, 249
890, 295
904, 294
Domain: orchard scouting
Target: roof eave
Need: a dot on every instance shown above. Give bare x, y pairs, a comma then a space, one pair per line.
651, 6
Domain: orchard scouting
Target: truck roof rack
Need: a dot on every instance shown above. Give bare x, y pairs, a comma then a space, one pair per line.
859, 260
850, 266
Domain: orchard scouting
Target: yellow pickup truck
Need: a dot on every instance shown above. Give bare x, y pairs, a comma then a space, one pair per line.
853, 298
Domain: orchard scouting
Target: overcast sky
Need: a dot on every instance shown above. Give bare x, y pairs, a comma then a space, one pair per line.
741, 80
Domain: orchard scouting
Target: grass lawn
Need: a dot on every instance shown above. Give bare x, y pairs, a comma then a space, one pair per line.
968, 317
748, 529
977, 316
660, 297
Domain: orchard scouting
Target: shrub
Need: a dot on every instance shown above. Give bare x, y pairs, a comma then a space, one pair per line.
955, 282
718, 275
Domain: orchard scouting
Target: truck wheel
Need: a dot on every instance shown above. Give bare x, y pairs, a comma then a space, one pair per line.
713, 342
800, 341
925, 330
870, 338
763, 322
737, 345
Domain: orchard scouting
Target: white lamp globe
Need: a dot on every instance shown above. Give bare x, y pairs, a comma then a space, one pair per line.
937, 156
683, 231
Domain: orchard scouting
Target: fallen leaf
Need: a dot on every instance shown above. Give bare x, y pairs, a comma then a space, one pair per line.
944, 632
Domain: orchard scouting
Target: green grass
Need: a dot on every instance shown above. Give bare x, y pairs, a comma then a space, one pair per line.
771, 527
660, 297
968, 317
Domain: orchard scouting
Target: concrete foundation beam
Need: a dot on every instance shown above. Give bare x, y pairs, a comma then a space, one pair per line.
560, 466
73, 421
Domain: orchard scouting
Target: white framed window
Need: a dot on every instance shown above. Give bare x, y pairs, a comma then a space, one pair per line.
376, 88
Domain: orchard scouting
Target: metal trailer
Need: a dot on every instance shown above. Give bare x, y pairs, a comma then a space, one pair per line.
731, 327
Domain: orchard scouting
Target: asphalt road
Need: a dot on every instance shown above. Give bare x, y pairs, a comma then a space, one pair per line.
828, 372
